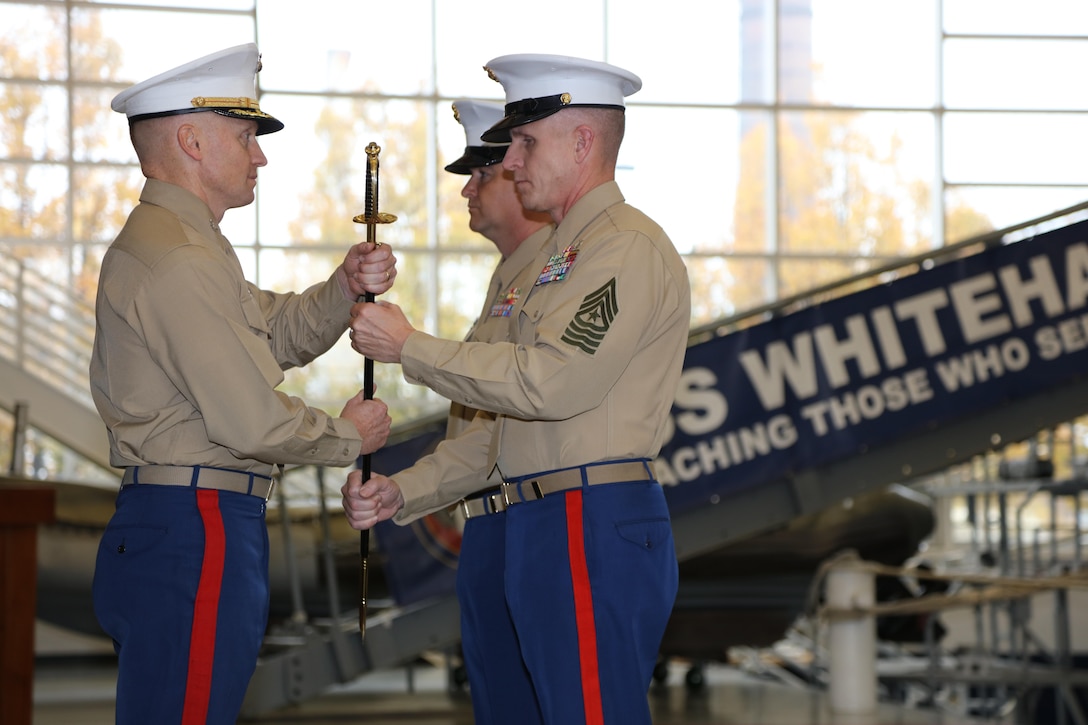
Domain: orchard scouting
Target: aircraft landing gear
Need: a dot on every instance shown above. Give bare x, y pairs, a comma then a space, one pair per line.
661, 671
695, 677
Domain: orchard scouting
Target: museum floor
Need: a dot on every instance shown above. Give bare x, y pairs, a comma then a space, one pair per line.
80, 692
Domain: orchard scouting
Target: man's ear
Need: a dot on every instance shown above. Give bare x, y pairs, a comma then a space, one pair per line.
584, 137
189, 140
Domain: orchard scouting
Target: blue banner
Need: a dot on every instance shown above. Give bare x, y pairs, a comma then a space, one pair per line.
817, 386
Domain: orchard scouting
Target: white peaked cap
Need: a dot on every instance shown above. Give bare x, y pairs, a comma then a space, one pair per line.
539, 85
224, 82
477, 117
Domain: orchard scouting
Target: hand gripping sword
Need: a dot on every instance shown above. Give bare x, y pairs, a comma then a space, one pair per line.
372, 218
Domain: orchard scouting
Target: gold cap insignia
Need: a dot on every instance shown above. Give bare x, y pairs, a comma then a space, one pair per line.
491, 74
259, 64
565, 99
456, 114
221, 102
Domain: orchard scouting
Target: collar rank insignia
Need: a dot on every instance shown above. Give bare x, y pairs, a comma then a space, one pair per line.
557, 267
593, 318
504, 303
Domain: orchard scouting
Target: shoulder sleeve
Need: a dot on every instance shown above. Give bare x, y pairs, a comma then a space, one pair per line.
583, 332
453, 471
304, 325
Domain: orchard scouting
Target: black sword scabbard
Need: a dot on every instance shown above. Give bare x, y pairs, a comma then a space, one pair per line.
371, 216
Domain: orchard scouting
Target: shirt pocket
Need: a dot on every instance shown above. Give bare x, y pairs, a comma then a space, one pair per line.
255, 336
254, 315
528, 319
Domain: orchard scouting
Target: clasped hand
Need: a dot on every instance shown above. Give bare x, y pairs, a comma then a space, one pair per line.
379, 330
366, 268
367, 503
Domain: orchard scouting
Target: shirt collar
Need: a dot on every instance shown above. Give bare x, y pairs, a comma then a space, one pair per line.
187, 205
585, 211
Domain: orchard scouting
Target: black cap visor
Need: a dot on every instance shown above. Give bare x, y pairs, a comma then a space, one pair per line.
476, 157
522, 112
528, 110
265, 123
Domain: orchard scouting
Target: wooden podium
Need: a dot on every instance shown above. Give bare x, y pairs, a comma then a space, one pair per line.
23, 506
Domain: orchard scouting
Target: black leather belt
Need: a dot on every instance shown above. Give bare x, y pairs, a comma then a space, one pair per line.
222, 479
539, 485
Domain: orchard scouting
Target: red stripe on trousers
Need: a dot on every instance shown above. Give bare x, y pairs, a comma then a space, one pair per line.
198, 683
583, 611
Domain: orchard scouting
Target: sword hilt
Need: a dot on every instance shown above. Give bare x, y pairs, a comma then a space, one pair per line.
371, 216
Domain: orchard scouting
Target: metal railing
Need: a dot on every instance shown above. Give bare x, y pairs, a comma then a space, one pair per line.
999, 570
885, 273
45, 329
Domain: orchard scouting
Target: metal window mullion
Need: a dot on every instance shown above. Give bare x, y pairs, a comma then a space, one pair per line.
258, 249
937, 188
432, 247
70, 201
772, 275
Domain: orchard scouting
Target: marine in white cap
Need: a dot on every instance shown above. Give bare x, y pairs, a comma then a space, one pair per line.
476, 117
187, 359
496, 212
581, 390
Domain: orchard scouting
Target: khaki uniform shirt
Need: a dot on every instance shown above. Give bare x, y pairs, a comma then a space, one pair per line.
594, 359
187, 353
458, 458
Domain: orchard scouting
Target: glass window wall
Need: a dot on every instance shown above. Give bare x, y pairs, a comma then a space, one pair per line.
781, 143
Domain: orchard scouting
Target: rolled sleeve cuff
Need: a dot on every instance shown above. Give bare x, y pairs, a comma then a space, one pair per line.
340, 449
331, 298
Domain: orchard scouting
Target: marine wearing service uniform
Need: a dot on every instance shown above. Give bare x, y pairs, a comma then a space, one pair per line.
468, 435
581, 391
186, 357
171, 282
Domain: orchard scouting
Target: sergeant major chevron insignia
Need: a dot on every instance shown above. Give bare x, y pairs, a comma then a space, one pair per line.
593, 318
